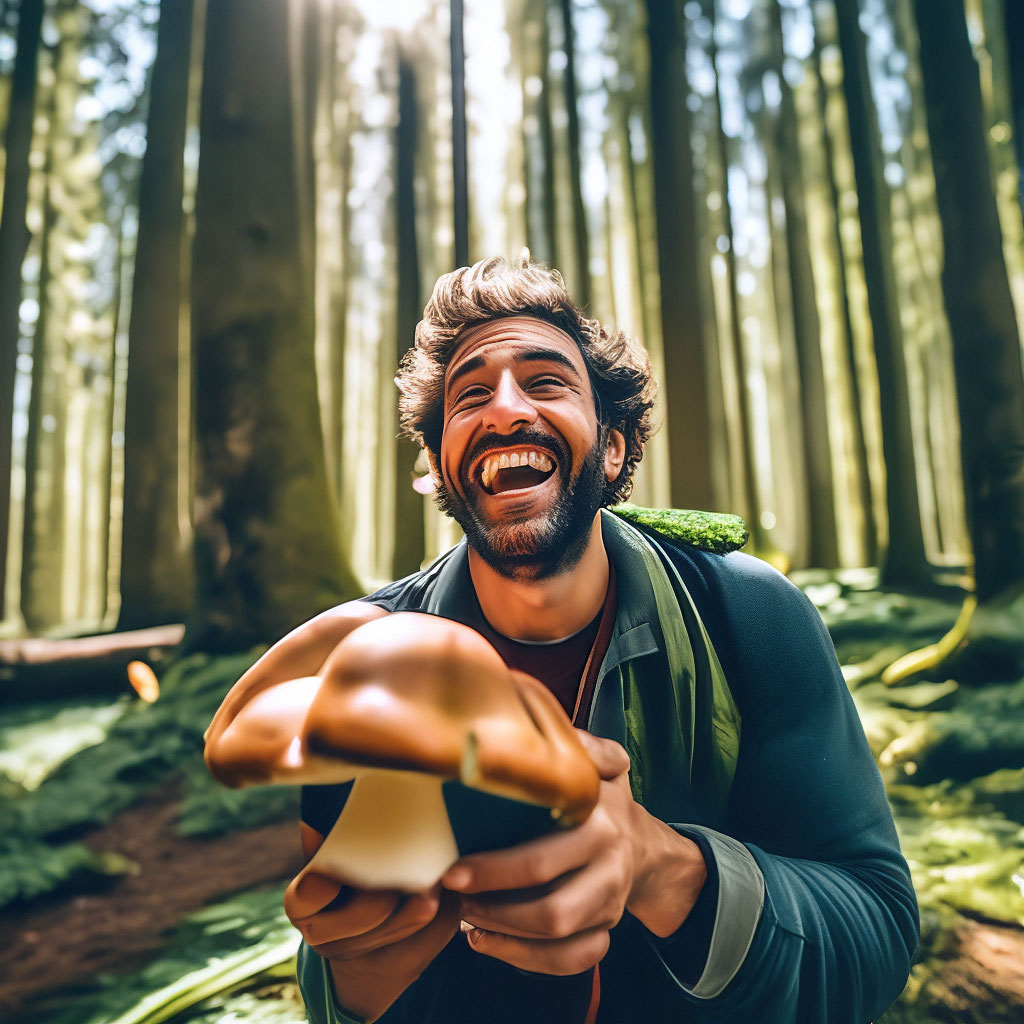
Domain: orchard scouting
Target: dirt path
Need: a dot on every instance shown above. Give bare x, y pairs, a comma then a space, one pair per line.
65, 943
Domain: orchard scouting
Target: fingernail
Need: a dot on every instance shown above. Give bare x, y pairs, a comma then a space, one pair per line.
457, 878
465, 926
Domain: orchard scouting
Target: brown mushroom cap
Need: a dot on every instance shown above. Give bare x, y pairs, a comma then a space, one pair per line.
412, 692
423, 693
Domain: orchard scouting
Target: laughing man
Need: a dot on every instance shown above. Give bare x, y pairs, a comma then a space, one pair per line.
741, 864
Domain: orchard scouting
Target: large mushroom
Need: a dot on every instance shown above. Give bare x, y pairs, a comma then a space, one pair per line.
428, 722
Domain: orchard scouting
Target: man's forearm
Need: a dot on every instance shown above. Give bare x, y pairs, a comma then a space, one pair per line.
670, 874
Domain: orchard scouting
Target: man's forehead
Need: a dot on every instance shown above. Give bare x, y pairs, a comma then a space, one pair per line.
526, 330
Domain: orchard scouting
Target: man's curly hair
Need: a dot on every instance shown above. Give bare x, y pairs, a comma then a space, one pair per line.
618, 366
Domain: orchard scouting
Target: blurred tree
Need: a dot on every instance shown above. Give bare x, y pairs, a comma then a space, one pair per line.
822, 549
14, 237
682, 323
1013, 11
42, 533
459, 166
986, 343
580, 281
903, 562
267, 552
155, 562
408, 547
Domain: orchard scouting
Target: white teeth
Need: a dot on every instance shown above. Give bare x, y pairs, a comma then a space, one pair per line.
491, 465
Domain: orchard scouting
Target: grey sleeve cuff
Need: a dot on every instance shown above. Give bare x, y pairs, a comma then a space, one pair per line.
740, 901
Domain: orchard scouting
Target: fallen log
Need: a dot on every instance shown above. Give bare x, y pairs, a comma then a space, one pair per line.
38, 668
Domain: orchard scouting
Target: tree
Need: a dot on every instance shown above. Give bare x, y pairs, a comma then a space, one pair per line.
42, 534
904, 561
1014, 15
409, 526
14, 237
986, 343
789, 173
682, 325
155, 567
267, 553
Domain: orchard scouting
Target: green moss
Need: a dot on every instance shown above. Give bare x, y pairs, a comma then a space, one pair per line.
719, 532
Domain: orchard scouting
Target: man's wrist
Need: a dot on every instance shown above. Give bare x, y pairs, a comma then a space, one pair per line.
669, 875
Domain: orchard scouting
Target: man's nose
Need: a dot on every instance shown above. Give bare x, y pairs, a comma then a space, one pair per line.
509, 408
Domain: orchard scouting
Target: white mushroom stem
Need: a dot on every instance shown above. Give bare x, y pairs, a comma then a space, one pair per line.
393, 833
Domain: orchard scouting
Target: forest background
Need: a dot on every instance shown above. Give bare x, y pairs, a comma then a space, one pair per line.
220, 222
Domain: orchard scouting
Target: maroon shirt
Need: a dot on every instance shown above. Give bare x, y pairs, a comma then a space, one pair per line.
560, 664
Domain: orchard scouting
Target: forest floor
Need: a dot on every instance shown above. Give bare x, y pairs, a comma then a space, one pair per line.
52, 951
133, 890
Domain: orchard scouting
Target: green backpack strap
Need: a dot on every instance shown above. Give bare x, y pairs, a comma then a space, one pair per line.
718, 532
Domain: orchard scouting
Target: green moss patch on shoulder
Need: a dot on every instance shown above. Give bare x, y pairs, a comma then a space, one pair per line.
719, 532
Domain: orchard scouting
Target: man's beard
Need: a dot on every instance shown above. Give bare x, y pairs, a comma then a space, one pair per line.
535, 547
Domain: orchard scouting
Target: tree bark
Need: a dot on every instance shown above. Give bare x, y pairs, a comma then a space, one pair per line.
155, 566
460, 196
986, 343
682, 325
904, 562
409, 535
581, 285
823, 548
14, 238
42, 533
267, 553
1014, 17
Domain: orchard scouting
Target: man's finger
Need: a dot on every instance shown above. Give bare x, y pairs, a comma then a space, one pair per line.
543, 956
414, 915
609, 757
583, 900
530, 864
355, 915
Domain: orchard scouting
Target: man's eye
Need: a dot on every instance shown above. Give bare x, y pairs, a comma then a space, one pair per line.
471, 395
545, 382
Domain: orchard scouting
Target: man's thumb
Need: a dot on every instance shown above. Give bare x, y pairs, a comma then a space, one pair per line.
610, 759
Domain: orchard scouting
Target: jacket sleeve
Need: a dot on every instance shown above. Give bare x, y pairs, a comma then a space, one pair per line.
816, 918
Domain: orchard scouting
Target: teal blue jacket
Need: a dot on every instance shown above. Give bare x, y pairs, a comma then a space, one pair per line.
814, 919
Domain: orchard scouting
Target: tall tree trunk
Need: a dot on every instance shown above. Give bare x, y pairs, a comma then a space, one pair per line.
156, 579
14, 237
823, 549
904, 561
682, 325
267, 553
859, 443
581, 284
1014, 16
409, 523
986, 343
42, 532
460, 196
748, 500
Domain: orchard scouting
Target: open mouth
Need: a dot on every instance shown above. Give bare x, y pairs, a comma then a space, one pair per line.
514, 470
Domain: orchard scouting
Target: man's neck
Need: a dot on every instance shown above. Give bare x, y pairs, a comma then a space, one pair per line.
548, 609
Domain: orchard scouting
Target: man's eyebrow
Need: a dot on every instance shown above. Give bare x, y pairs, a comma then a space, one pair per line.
532, 355
546, 355
471, 364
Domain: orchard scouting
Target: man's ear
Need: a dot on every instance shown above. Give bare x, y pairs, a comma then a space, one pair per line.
614, 455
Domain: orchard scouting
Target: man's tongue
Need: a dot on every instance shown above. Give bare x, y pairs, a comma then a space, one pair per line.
516, 476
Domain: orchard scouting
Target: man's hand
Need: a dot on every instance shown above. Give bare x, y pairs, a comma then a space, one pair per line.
548, 905
376, 943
